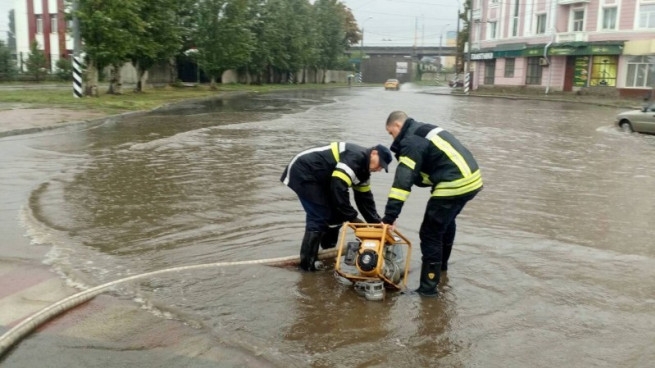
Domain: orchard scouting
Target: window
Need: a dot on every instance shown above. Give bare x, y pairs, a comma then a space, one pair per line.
641, 71
53, 23
603, 71
489, 72
509, 67
609, 18
491, 30
647, 16
533, 73
515, 19
39, 23
578, 20
541, 24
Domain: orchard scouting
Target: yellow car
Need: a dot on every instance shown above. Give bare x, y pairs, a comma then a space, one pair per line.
393, 84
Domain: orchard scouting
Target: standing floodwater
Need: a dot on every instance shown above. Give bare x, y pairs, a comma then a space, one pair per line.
553, 266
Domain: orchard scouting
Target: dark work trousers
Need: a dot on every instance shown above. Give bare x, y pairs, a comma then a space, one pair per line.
317, 215
438, 228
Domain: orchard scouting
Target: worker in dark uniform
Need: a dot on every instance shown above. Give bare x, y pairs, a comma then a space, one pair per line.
321, 177
429, 156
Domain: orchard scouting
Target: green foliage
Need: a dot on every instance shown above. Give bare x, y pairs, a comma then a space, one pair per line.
331, 38
64, 69
463, 36
161, 36
37, 65
7, 64
262, 37
110, 29
223, 36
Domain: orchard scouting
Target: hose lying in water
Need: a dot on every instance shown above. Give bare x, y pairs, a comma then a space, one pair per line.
21, 330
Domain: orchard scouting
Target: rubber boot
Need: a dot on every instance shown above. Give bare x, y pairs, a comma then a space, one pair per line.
330, 238
309, 250
447, 248
430, 275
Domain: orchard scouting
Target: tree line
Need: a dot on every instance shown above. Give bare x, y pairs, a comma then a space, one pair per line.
267, 39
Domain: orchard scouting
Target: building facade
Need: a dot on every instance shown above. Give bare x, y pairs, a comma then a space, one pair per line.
564, 45
43, 21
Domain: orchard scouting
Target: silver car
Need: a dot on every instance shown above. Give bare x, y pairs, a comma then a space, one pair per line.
641, 121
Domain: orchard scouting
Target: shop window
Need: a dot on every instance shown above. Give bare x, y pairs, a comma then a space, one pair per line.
641, 71
647, 16
489, 72
603, 71
533, 73
509, 67
581, 71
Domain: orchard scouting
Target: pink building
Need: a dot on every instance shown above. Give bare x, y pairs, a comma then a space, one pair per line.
564, 45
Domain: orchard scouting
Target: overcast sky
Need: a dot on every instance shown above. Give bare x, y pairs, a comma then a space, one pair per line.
385, 22
5, 7
404, 22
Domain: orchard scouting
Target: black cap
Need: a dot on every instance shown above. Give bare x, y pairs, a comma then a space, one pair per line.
385, 156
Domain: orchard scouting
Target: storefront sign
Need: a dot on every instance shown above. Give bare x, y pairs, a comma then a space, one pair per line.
563, 50
482, 56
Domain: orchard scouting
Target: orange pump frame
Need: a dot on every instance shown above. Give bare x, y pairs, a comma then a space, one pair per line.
385, 237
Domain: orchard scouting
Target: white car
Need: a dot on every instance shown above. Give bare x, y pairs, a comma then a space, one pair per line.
641, 121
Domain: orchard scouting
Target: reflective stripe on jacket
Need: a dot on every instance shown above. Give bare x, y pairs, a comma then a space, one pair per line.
429, 156
324, 175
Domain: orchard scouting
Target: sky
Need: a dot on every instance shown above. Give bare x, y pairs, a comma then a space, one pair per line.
5, 7
385, 22
405, 22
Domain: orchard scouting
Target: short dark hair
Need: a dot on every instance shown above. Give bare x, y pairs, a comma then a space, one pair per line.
396, 116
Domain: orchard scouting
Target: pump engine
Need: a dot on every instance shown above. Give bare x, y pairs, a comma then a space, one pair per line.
372, 257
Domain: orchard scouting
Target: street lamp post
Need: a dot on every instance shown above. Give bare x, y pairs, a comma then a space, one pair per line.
361, 56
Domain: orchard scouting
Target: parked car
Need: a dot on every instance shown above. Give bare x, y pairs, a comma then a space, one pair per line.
641, 121
393, 84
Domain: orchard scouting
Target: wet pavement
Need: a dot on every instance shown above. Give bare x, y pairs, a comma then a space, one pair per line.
552, 265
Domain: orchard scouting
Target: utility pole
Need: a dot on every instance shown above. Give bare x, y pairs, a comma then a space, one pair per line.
361, 57
457, 55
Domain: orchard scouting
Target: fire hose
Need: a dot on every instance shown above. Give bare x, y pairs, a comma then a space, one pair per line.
21, 330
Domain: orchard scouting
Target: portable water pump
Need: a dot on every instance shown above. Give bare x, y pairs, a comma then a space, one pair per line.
373, 257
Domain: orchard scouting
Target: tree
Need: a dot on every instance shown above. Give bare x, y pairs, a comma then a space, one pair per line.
11, 40
330, 19
463, 36
7, 65
160, 39
109, 29
223, 36
37, 64
64, 69
284, 39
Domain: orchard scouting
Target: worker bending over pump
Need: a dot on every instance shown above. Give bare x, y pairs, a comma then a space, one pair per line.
429, 156
321, 177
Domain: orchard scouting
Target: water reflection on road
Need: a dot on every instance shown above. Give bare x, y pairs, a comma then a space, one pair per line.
553, 263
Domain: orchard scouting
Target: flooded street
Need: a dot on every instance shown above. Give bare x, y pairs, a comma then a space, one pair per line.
553, 264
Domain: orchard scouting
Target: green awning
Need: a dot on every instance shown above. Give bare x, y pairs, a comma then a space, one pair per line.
567, 48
